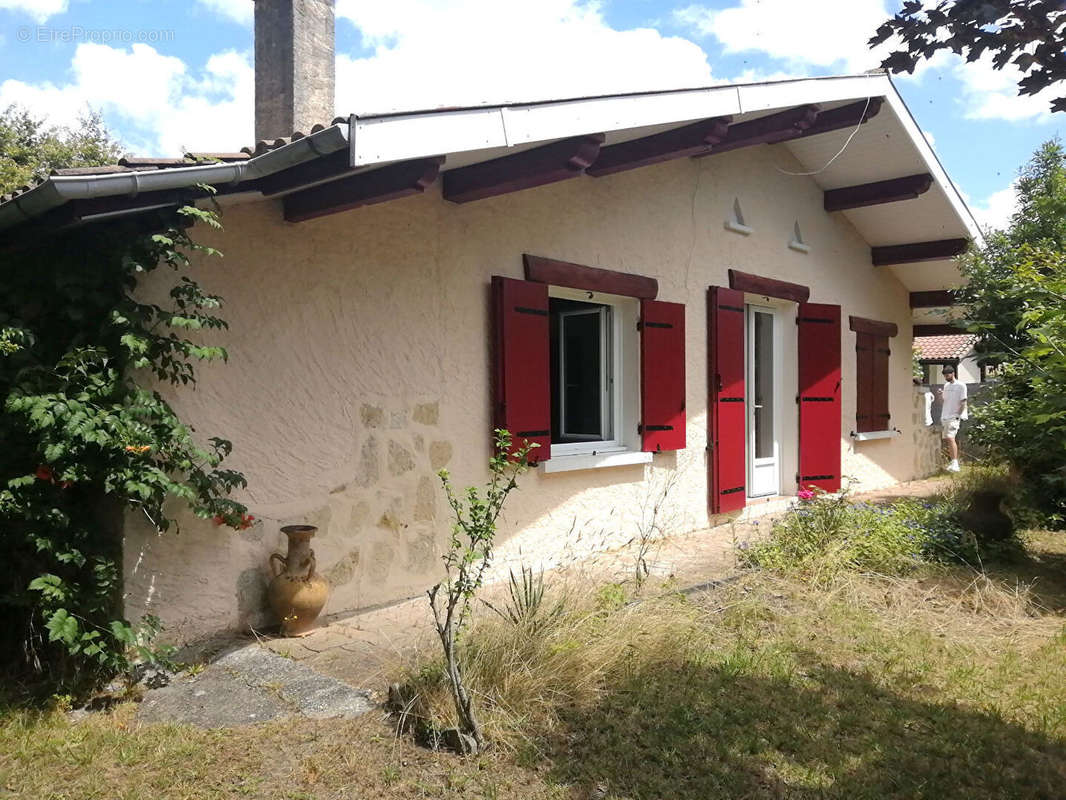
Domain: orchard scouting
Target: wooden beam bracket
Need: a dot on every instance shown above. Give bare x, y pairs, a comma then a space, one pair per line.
917, 252
688, 140
549, 163
938, 330
362, 189
772, 128
933, 299
908, 187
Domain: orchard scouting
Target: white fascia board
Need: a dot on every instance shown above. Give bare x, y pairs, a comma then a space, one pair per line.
404, 136
932, 163
785, 94
397, 138
545, 121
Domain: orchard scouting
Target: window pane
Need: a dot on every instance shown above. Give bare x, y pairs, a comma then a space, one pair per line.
764, 385
582, 358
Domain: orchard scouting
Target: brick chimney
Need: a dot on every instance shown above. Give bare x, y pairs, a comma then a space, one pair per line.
294, 66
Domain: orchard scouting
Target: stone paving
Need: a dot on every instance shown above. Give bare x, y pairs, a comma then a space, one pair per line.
265, 677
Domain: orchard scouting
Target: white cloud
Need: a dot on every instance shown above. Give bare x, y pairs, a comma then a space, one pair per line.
929, 138
151, 98
237, 10
818, 32
428, 53
996, 211
40, 10
989, 93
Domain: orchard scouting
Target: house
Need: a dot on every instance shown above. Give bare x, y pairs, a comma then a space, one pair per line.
709, 291
956, 349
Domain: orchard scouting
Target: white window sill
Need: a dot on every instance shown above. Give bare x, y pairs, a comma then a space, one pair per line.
595, 461
863, 437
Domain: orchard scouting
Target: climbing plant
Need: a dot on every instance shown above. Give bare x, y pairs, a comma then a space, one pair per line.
89, 440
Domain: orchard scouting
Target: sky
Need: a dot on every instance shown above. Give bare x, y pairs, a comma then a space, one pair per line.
170, 76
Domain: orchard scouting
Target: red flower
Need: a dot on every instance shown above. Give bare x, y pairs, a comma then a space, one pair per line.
805, 494
44, 473
246, 522
219, 519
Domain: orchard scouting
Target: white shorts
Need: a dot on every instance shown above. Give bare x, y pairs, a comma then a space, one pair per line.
951, 427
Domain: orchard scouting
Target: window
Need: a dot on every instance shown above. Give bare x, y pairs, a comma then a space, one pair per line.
581, 371
585, 373
594, 364
871, 375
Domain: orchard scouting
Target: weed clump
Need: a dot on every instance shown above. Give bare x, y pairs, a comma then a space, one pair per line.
826, 535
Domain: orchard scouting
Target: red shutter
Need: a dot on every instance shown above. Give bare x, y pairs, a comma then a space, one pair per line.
819, 396
725, 350
662, 375
523, 379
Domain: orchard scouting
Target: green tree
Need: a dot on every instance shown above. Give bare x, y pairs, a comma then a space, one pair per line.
1028, 34
30, 148
1016, 301
87, 438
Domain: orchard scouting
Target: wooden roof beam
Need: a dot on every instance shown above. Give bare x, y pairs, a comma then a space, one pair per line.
772, 128
549, 163
933, 299
688, 140
938, 330
917, 252
847, 116
908, 187
362, 189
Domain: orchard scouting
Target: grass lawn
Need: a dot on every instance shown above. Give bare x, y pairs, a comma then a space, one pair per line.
943, 684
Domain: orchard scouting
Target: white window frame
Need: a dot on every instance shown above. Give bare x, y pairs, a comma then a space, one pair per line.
623, 372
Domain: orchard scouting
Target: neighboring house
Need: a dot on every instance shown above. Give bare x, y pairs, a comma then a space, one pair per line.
936, 352
711, 285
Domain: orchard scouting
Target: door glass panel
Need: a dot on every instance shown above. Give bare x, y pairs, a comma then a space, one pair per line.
763, 384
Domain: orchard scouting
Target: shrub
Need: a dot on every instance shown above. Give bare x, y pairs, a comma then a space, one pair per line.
830, 534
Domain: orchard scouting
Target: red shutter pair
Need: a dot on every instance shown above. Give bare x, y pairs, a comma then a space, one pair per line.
819, 398
523, 367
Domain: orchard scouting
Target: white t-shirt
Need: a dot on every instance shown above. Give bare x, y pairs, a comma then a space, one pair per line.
954, 395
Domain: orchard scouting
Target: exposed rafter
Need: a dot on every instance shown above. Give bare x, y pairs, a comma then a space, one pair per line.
917, 252
934, 299
549, 163
872, 194
845, 116
362, 189
334, 165
689, 140
938, 330
772, 128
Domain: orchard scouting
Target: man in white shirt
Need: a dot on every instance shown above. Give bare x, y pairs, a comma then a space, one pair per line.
952, 410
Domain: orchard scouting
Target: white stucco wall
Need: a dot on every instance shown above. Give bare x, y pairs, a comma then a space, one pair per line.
359, 364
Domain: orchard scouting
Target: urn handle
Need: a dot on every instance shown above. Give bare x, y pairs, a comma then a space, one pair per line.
311, 566
273, 567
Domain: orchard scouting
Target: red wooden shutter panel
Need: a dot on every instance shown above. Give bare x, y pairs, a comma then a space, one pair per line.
819, 396
726, 409
662, 375
523, 378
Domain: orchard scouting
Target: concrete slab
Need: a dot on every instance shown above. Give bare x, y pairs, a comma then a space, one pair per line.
253, 684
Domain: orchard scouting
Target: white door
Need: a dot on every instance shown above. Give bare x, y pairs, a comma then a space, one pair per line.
763, 380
